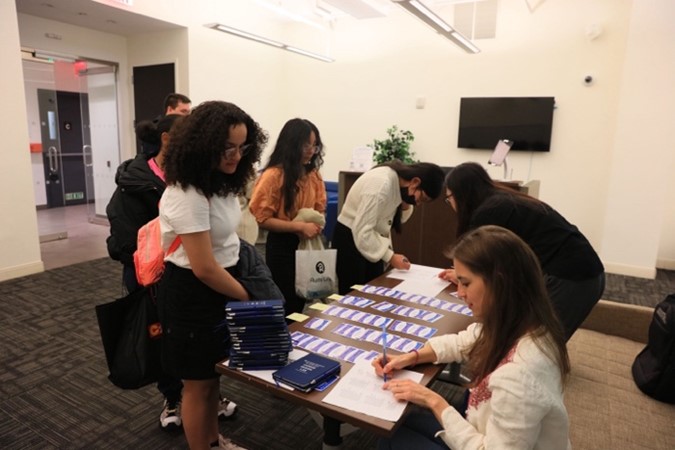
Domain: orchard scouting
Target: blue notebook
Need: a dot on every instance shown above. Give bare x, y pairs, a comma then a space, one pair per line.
307, 372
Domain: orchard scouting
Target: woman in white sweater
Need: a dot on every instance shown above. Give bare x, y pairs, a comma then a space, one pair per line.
379, 200
515, 351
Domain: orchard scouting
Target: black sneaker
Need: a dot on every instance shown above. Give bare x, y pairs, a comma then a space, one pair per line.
170, 418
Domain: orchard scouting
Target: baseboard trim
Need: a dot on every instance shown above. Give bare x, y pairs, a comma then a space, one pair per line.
667, 264
631, 271
22, 270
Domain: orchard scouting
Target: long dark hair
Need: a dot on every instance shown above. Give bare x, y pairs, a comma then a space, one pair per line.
471, 185
516, 301
197, 145
431, 181
288, 153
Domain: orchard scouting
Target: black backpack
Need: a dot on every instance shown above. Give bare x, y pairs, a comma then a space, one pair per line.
654, 367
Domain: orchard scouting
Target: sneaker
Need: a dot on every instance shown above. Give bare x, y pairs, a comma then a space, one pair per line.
170, 418
226, 408
226, 444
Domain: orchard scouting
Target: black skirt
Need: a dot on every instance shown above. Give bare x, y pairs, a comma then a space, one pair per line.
192, 314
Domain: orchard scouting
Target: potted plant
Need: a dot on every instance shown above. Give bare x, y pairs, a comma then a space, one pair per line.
396, 146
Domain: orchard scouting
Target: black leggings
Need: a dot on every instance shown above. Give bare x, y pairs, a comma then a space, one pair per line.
280, 258
352, 268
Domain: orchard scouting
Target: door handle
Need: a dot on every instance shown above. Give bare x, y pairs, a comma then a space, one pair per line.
53, 161
86, 155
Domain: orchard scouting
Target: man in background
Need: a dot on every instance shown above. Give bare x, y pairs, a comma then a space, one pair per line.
177, 104
174, 103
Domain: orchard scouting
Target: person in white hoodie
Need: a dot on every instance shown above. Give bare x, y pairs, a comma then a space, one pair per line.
515, 351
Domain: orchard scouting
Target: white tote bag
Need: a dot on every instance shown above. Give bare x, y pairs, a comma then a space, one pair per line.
315, 273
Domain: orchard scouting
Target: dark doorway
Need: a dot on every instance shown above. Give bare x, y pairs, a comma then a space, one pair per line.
151, 85
63, 121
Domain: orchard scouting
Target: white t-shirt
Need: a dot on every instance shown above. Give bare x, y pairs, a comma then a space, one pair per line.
188, 211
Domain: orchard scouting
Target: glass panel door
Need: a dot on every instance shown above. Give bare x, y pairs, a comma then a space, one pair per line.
100, 138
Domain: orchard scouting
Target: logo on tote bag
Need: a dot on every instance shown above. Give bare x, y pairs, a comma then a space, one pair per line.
320, 267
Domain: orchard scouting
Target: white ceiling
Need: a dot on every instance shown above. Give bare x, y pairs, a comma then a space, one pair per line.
89, 14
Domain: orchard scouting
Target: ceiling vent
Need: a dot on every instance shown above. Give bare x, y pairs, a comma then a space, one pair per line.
477, 20
355, 8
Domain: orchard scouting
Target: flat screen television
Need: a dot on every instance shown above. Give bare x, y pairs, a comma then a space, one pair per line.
525, 121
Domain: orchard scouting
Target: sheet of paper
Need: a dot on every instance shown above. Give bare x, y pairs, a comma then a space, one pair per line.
422, 280
362, 159
266, 375
430, 287
361, 390
416, 272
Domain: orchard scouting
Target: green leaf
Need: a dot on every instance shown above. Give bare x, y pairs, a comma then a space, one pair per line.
396, 146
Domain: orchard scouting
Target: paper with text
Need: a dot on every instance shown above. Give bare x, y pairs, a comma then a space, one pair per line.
419, 279
361, 390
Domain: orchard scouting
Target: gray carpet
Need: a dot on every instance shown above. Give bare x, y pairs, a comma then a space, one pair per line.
54, 392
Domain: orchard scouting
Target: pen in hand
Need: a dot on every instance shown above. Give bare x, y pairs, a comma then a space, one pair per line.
384, 348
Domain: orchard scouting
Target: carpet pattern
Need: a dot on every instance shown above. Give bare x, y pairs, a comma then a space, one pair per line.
54, 392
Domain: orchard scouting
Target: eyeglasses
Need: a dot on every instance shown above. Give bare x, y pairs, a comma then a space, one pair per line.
447, 199
313, 148
230, 150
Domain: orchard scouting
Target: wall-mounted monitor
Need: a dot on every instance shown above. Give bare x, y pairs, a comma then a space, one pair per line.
525, 121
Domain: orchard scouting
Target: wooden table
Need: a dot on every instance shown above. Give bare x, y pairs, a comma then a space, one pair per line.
333, 415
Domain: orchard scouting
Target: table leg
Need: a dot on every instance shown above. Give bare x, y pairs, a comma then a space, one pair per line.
331, 433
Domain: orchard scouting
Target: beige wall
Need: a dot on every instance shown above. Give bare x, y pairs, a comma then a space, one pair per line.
20, 254
611, 164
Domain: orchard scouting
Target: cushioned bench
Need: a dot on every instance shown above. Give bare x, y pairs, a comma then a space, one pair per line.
606, 409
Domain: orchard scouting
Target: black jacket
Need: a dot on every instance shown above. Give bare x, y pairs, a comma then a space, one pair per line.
255, 276
132, 205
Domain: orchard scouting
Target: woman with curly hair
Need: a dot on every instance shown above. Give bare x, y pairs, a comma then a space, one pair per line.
290, 182
515, 351
210, 158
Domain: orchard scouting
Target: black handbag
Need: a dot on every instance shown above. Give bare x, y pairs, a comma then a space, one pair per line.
130, 333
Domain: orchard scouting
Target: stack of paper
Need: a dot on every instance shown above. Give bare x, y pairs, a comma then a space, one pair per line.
260, 338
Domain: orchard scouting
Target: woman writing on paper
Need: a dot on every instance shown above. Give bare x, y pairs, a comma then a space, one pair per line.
290, 182
379, 200
515, 351
573, 272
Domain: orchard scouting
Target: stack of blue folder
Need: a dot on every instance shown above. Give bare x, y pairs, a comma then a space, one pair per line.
259, 335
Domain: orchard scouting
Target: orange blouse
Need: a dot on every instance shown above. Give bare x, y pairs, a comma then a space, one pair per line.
268, 198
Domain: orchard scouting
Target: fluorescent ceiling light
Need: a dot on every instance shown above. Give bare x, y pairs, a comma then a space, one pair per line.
430, 14
464, 41
247, 35
427, 16
310, 54
264, 40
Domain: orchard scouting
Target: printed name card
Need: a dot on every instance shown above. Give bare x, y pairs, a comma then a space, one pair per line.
330, 348
419, 299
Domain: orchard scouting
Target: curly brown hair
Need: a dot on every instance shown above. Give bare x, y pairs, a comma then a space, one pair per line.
197, 144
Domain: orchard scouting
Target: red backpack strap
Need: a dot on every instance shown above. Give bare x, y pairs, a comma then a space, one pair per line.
174, 246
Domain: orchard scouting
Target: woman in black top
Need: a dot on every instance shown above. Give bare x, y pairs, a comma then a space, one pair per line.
574, 274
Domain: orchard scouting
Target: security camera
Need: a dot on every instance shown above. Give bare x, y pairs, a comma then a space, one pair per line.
588, 79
